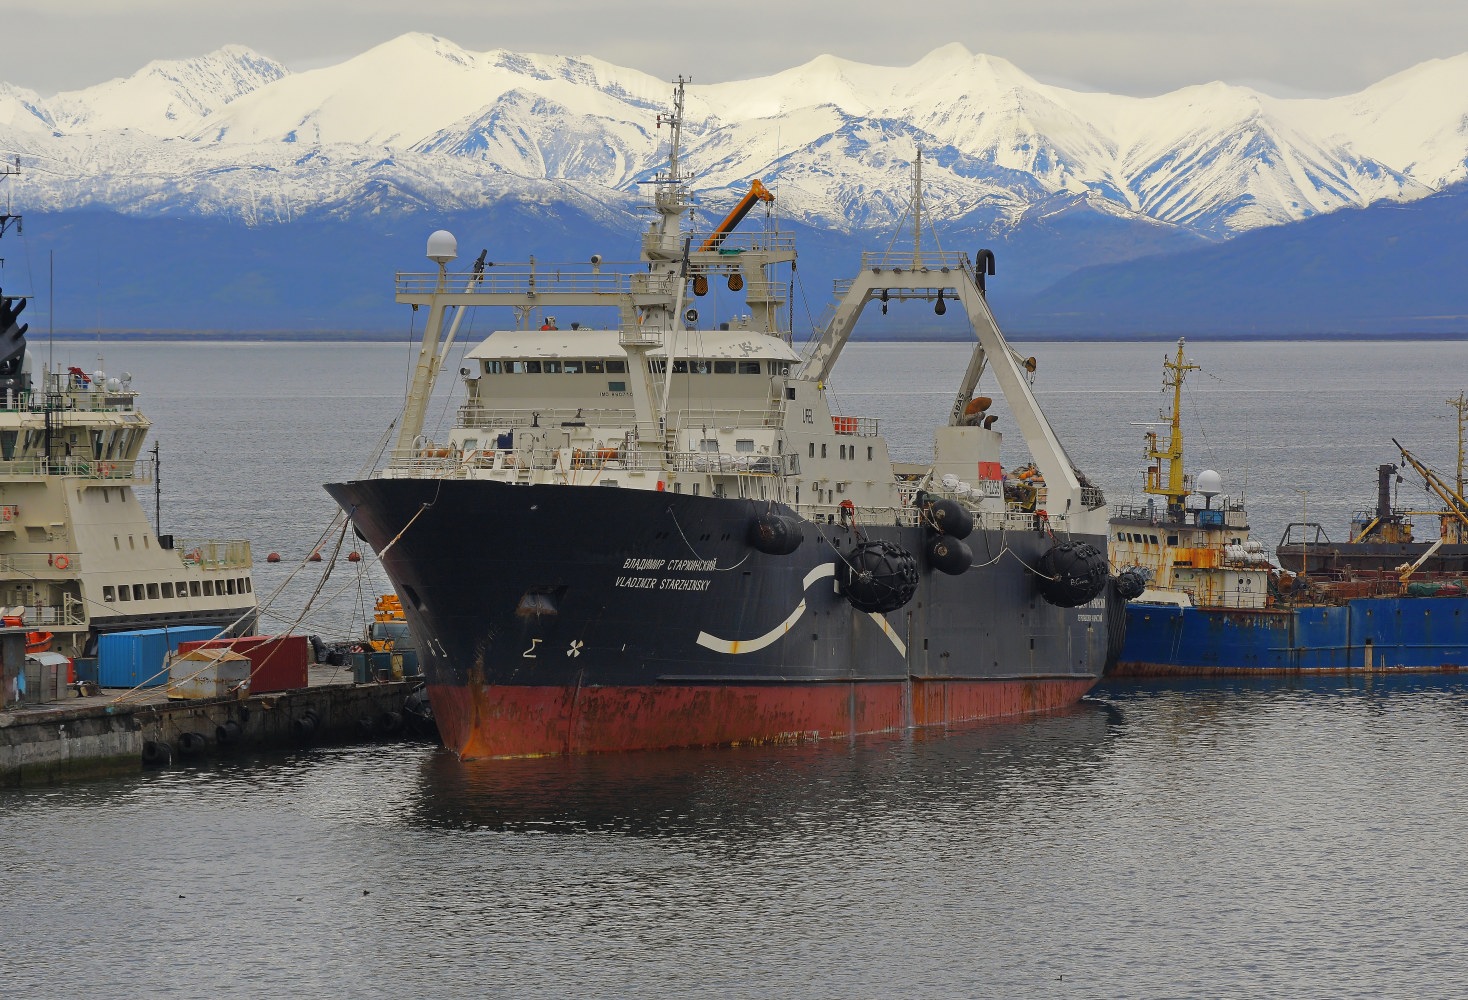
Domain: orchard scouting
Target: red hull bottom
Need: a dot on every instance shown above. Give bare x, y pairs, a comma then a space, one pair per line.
515, 721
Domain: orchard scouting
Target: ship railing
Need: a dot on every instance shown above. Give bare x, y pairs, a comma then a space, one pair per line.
529, 279
1134, 512
41, 563
732, 419
89, 468
936, 262
744, 241
1092, 498
214, 553
68, 397
830, 513
616, 419
858, 426
51, 616
726, 464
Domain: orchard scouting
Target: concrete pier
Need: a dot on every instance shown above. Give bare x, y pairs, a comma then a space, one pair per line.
84, 737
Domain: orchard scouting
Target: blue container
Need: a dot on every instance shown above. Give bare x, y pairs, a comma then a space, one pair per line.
130, 659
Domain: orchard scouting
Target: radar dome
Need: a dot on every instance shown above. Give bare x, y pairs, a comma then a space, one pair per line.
442, 247
1210, 483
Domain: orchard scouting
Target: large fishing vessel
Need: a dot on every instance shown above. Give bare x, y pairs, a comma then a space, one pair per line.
647, 531
1207, 599
78, 556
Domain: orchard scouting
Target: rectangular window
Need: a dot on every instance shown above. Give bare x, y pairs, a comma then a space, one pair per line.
249, 585
823, 449
749, 367
109, 595
778, 368
869, 453
709, 444
616, 387
680, 367
123, 593
230, 584
152, 591
723, 368
168, 590
553, 367
182, 589
655, 365
744, 444
493, 367
532, 367
208, 588
616, 366
194, 589
137, 592
573, 367
812, 449
595, 367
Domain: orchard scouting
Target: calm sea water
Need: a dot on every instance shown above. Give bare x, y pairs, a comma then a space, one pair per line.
1294, 839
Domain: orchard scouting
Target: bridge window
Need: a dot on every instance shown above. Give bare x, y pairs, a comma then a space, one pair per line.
595, 366
616, 366
152, 591
109, 594
168, 590
553, 367
749, 367
574, 367
493, 367
723, 368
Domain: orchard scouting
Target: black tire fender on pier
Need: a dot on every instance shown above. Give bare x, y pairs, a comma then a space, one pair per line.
157, 753
774, 534
191, 744
878, 576
949, 517
1071, 574
949, 555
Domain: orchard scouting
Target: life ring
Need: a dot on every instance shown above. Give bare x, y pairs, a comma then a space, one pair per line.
61, 562
106, 470
194, 556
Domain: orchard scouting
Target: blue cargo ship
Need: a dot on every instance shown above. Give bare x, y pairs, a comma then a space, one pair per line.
1205, 599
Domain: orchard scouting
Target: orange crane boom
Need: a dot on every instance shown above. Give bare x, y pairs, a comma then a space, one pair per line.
757, 192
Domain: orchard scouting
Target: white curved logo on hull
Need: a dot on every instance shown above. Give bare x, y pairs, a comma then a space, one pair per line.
737, 646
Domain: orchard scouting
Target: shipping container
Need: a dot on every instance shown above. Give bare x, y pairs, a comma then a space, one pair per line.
279, 662
208, 673
133, 659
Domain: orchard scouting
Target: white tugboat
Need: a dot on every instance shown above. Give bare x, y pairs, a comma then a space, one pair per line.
650, 532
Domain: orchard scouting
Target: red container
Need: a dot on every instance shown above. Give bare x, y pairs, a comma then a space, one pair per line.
277, 662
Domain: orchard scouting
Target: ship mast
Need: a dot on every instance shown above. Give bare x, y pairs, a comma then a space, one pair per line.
1175, 489
1461, 405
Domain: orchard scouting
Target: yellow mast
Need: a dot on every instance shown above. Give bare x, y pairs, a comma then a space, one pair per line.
1461, 405
1175, 491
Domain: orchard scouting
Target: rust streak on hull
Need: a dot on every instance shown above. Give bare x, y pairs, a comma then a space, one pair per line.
512, 720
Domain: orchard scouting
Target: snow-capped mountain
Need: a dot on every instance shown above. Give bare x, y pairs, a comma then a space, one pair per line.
420, 122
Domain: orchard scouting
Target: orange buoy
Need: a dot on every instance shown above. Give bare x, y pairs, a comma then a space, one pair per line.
315, 557
354, 556
273, 557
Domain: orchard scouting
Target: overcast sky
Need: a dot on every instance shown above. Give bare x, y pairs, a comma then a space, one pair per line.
1288, 48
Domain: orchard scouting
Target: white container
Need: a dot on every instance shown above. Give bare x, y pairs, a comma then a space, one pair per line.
208, 673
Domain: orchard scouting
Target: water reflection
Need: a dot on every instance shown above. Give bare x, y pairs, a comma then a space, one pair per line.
749, 792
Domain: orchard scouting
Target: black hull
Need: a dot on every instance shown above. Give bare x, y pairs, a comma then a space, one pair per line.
565, 590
